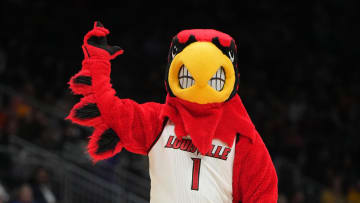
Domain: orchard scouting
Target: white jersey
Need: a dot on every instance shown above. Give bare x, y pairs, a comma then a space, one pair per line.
180, 174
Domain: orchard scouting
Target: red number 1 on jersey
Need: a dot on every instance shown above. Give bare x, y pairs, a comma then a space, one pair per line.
195, 174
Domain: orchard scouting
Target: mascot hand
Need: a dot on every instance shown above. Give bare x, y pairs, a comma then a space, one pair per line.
96, 46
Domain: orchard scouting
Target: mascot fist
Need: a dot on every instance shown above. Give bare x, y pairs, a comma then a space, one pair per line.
96, 46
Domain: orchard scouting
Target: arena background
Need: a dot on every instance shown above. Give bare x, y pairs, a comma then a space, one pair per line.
299, 66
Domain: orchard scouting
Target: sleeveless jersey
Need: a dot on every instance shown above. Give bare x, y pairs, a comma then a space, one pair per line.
179, 173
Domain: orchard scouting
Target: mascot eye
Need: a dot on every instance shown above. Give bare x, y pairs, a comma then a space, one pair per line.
174, 51
231, 55
218, 80
185, 78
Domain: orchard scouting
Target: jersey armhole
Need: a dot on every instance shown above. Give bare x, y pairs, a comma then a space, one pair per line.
158, 136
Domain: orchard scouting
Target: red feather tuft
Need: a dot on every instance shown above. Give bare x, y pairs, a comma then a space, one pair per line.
91, 122
78, 88
206, 35
93, 145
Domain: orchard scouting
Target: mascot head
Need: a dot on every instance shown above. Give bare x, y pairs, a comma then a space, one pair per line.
202, 66
202, 80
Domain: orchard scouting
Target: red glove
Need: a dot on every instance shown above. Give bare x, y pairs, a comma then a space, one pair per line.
96, 46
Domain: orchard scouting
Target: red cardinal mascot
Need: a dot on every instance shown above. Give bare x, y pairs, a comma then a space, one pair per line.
201, 143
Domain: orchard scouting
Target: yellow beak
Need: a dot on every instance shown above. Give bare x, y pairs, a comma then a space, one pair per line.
202, 60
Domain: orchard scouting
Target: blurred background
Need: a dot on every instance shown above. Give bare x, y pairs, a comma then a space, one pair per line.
299, 66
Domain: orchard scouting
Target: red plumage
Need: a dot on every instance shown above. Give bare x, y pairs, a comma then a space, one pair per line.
80, 88
90, 122
137, 126
216, 121
206, 35
93, 146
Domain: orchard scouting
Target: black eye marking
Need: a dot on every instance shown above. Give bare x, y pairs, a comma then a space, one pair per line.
229, 51
177, 47
174, 51
231, 55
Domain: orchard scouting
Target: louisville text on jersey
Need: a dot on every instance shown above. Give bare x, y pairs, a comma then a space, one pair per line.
220, 152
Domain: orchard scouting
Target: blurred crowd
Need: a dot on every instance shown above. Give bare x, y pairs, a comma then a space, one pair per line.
36, 189
299, 80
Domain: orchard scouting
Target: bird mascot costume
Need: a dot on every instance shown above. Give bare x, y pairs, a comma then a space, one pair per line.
201, 143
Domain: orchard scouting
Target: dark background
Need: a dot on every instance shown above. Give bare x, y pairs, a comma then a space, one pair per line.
298, 62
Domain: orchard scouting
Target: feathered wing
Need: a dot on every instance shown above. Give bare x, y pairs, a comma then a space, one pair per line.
117, 122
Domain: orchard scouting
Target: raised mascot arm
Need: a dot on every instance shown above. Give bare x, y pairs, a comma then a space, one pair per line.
117, 122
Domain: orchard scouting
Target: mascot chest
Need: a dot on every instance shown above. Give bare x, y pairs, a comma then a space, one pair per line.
179, 173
